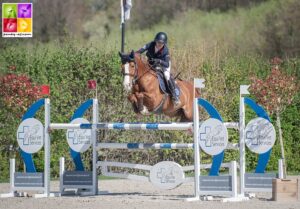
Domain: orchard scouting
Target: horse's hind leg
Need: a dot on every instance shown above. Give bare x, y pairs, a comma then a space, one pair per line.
183, 118
186, 116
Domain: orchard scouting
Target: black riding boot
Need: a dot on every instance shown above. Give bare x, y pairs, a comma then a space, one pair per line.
171, 84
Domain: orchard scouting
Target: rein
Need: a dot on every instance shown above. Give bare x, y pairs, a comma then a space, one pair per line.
136, 77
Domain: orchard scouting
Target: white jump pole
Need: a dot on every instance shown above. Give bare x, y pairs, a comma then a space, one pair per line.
243, 91
61, 173
11, 175
280, 168
234, 179
125, 126
46, 192
198, 83
94, 143
196, 150
47, 147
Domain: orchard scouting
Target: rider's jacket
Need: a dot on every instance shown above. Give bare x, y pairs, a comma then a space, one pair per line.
162, 54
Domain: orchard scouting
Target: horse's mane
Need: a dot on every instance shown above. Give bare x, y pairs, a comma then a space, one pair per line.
141, 64
138, 58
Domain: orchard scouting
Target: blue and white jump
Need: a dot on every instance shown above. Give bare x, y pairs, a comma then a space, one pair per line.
194, 126
125, 126
133, 146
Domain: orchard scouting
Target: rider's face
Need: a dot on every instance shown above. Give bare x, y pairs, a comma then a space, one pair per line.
159, 45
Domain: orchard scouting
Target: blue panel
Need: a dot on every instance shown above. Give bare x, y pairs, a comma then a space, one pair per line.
28, 161
118, 126
77, 160
133, 145
262, 162
216, 164
260, 112
27, 158
79, 112
31, 111
151, 126
217, 159
165, 146
86, 126
264, 158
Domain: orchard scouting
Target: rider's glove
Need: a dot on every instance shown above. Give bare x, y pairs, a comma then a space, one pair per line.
156, 61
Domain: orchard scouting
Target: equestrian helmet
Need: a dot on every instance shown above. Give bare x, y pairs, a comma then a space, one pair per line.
161, 37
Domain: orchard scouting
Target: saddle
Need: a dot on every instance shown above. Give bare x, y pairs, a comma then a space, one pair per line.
163, 84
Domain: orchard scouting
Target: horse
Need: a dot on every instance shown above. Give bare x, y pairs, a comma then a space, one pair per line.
141, 83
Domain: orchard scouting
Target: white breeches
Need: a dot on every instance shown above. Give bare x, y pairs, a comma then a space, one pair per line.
167, 72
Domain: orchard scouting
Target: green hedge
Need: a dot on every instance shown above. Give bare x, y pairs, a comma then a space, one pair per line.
67, 67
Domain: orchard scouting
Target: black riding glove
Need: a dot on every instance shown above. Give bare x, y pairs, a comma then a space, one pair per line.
156, 61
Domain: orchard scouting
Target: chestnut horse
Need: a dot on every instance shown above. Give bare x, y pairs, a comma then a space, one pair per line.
142, 85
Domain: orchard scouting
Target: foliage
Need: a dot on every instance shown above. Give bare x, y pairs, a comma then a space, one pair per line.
17, 92
276, 91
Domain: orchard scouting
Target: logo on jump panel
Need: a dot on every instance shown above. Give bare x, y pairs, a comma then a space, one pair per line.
166, 175
79, 139
260, 135
213, 137
30, 135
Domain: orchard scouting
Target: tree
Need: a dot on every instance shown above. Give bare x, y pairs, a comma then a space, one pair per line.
275, 93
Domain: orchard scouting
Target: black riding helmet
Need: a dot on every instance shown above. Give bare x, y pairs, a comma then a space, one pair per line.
161, 37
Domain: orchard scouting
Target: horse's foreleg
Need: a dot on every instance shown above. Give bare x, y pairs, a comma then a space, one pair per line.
140, 101
134, 101
141, 106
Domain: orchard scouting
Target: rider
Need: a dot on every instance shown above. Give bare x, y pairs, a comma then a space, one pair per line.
159, 57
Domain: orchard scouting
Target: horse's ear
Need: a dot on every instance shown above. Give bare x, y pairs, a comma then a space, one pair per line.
123, 58
132, 53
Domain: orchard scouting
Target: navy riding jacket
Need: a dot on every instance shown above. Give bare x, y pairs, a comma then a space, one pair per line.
162, 54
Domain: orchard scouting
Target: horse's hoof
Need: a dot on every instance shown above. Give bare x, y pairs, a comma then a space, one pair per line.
135, 108
145, 111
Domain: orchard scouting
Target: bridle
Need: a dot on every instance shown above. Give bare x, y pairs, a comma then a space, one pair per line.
135, 76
